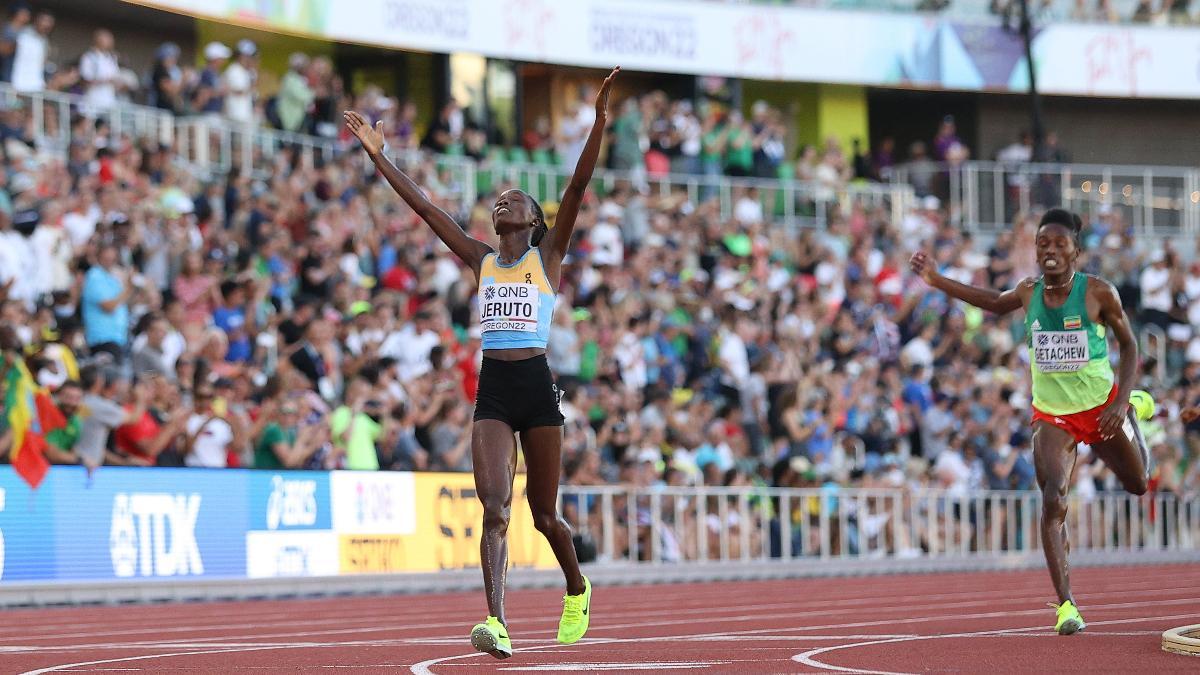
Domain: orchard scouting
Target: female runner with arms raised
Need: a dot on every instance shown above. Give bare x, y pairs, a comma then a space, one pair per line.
517, 286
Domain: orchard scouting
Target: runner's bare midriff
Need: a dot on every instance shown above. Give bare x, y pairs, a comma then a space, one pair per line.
514, 354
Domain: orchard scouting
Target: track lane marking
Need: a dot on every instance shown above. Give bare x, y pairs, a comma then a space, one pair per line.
807, 658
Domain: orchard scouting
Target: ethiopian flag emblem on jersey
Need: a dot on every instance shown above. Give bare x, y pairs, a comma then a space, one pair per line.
1072, 323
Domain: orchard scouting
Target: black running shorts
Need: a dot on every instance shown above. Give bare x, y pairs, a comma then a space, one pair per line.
522, 394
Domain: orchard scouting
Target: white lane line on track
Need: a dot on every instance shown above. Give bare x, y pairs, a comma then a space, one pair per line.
396, 619
372, 625
807, 658
425, 667
458, 640
369, 628
732, 635
395, 610
145, 657
393, 620
911, 608
940, 617
593, 667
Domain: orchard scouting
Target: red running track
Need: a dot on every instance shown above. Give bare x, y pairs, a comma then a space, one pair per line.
993, 622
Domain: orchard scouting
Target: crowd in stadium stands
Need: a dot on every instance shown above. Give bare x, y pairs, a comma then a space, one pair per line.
651, 134
309, 319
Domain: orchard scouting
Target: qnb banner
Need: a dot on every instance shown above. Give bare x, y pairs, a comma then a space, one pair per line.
750, 41
132, 524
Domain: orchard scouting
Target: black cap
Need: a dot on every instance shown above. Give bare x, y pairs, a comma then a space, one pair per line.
25, 221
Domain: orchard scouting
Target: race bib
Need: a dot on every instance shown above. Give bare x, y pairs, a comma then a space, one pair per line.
1060, 351
509, 307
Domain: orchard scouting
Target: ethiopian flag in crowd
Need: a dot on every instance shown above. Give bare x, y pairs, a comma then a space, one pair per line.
30, 414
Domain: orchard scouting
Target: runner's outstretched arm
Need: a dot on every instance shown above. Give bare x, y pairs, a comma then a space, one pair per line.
471, 251
999, 302
564, 222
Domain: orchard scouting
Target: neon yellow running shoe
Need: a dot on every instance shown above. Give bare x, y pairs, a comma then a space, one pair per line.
574, 621
1069, 620
491, 636
1143, 404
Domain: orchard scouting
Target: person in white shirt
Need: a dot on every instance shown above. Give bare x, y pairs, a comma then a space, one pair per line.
100, 70
81, 220
1156, 290
54, 253
631, 358
411, 347
689, 132
240, 79
952, 471
748, 209
1191, 289
606, 240
1013, 157
33, 47
573, 131
919, 350
18, 264
732, 354
209, 436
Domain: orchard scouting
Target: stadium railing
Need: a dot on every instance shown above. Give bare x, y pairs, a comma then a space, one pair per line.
214, 145
982, 196
789, 203
50, 117
140, 534
690, 525
1157, 201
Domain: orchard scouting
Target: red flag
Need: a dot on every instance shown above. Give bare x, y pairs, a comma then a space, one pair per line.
30, 463
51, 417
31, 413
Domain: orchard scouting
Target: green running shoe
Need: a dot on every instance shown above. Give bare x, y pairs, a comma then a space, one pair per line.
575, 618
1143, 404
491, 636
1069, 620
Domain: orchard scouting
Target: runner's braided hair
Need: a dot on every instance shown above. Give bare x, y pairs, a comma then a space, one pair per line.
1068, 219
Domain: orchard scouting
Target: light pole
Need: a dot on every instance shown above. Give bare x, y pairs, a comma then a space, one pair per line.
1035, 100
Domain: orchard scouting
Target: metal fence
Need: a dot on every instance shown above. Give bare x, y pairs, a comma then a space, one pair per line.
980, 196
1157, 201
50, 115
689, 525
213, 145
789, 203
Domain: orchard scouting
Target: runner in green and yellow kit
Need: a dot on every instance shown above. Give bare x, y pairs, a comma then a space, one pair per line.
1076, 396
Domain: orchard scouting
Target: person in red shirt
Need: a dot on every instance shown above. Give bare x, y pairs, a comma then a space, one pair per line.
466, 360
145, 438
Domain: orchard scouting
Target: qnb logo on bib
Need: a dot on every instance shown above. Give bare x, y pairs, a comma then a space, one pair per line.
154, 535
1061, 351
510, 307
